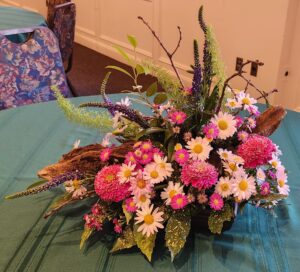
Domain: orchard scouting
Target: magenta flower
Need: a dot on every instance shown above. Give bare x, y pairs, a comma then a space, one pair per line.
130, 205
146, 158
216, 202
146, 147
179, 201
129, 157
211, 131
265, 189
181, 156
177, 117
239, 121
105, 154
96, 209
256, 150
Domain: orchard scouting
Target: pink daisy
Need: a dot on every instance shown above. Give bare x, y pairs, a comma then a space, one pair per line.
157, 151
130, 205
108, 186
146, 147
201, 175
239, 121
179, 201
181, 156
216, 202
130, 158
243, 136
177, 117
265, 189
146, 158
256, 150
211, 131
105, 154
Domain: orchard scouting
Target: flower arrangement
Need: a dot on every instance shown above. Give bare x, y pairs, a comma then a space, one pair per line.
204, 150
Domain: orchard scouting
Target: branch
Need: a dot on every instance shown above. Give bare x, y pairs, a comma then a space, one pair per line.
170, 55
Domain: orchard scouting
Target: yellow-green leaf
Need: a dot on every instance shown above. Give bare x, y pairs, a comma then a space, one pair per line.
124, 55
37, 183
152, 89
126, 240
177, 230
139, 69
217, 219
87, 232
132, 40
119, 69
128, 215
160, 98
144, 243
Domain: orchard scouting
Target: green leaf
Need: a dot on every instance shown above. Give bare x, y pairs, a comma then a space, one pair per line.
152, 89
37, 183
149, 131
128, 215
119, 69
177, 230
87, 232
125, 55
126, 240
139, 68
160, 98
132, 40
144, 243
212, 100
171, 147
217, 219
60, 200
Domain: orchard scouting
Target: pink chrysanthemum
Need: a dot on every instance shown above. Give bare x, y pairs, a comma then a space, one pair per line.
130, 205
105, 154
256, 151
181, 156
201, 175
216, 202
108, 186
177, 117
130, 158
211, 131
265, 189
179, 201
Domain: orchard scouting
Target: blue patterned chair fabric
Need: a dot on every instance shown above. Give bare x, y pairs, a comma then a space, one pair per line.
51, 9
64, 30
28, 70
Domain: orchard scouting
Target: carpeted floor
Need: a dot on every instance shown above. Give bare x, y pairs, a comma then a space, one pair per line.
89, 70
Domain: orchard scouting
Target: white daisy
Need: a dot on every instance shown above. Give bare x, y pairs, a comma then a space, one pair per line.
75, 188
275, 162
236, 159
199, 148
153, 173
173, 189
149, 219
231, 167
223, 187
164, 167
106, 140
76, 144
233, 103
142, 200
139, 185
224, 154
246, 100
260, 176
126, 172
117, 119
225, 123
243, 186
282, 187
125, 102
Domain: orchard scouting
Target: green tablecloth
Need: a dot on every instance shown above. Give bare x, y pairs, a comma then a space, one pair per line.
15, 18
36, 135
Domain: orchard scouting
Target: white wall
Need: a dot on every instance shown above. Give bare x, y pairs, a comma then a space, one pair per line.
250, 29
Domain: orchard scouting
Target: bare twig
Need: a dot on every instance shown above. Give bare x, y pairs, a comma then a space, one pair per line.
170, 55
267, 94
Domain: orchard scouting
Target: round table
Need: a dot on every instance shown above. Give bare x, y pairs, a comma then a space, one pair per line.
15, 18
34, 136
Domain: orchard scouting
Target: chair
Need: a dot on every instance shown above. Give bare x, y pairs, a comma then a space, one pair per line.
51, 9
28, 70
64, 30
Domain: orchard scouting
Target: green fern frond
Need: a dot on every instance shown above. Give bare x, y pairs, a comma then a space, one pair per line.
169, 84
81, 116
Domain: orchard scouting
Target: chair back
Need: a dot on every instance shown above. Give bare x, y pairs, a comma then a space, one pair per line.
51, 9
64, 30
28, 70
